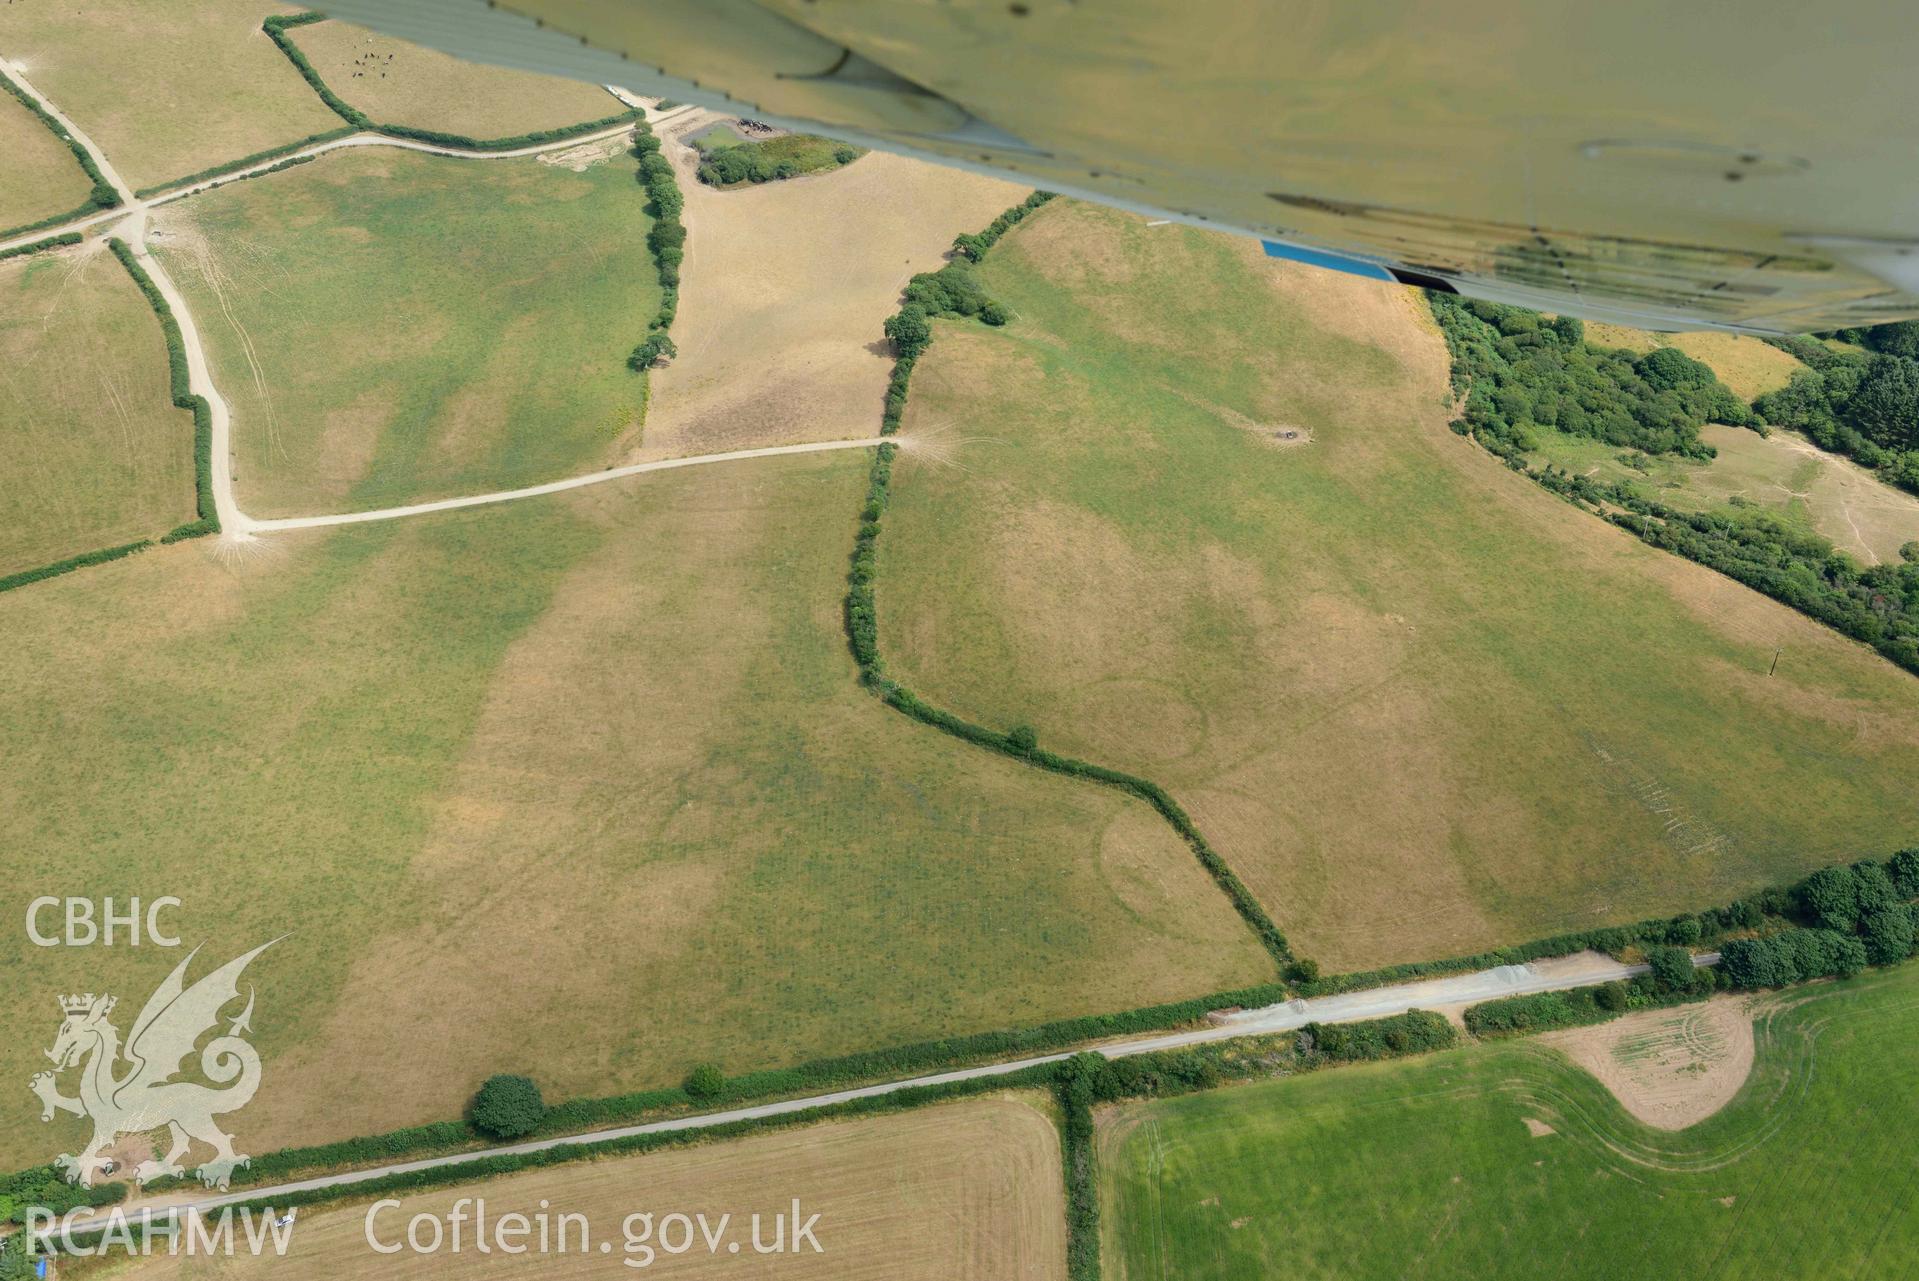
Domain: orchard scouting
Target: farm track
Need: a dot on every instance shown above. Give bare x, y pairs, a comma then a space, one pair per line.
1582, 970
130, 221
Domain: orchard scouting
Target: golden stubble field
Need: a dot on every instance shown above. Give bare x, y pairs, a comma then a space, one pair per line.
784, 289
968, 1191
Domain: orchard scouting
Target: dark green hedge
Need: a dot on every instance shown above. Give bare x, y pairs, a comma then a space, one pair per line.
40, 246
215, 171
953, 291
25, 576
103, 195
184, 397
816, 1077
277, 27
667, 240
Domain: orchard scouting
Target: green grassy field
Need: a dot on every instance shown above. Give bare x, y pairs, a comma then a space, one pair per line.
1420, 706
582, 787
1427, 1168
397, 83
165, 89
96, 453
390, 326
42, 177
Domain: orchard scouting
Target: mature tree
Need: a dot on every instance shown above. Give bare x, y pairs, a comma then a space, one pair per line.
909, 329
1671, 968
1875, 887
507, 1107
1668, 367
1831, 897
1889, 934
1904, 867
1886, 406
705, 1082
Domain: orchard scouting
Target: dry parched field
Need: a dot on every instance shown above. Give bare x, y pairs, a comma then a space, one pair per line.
390, 327
968, 1191
39, 176
397, 83
1421, 707
581, 787
97, 454
785, 287
165, 89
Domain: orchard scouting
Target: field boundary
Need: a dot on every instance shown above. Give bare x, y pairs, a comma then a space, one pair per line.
1020, 742
184, 397
214, 171
276, 28
60, 241
103, 197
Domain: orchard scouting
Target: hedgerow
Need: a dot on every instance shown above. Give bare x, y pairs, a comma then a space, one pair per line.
45, 1187
277, 27
103, 196
815, 1077
40, 246
954, 291
215, 171
667, 240
1774, 908
25, 576
184, 397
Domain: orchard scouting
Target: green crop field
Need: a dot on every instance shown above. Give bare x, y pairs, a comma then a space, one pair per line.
579, 786
40, 177
1430, 1168
96, 453
165, 89
1421, 706
397, 83
390, 327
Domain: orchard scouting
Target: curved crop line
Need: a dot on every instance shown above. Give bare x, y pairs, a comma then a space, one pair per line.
863, 637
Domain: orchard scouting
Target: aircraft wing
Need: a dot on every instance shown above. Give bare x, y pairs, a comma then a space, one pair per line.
1741, 166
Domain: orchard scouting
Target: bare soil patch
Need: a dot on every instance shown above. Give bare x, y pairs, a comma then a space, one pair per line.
784, 289
1669, 1068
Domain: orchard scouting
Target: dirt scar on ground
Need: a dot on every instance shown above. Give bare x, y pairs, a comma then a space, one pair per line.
1669, 1068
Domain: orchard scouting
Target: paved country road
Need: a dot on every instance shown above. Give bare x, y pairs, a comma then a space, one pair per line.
1557, 974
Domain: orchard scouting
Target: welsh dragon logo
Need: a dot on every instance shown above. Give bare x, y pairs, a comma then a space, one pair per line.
143, 1094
